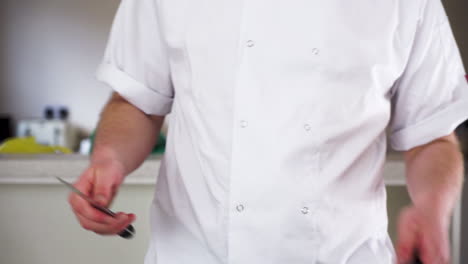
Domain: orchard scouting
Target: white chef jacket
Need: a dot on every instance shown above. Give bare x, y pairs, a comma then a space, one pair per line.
277, 135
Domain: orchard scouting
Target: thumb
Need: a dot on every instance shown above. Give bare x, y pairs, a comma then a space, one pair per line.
407, 237
102, 193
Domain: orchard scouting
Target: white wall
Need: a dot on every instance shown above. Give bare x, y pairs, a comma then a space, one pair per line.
49, 50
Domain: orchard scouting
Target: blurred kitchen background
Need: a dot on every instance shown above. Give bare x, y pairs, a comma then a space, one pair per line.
49, 51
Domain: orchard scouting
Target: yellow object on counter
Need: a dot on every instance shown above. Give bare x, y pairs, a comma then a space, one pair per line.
29, 145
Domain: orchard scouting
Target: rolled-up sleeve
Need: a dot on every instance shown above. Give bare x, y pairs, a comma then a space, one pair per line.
430, 99
135, 63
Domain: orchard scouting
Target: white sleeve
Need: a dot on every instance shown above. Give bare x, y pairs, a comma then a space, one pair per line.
430, 99
135, 63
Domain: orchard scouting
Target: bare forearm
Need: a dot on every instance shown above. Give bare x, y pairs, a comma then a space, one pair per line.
125, 135
435, 174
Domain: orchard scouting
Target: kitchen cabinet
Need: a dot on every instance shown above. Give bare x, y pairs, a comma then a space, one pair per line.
38, 226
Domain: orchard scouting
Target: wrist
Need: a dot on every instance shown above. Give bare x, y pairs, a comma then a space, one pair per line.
106, 157
438, 205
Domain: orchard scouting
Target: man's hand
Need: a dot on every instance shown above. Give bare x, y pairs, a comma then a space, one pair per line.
424, 232
100, 182
434, 173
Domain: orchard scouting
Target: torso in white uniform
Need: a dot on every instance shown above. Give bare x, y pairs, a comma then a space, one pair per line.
279, 112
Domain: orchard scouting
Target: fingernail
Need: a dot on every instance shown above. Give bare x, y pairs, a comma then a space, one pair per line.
131, 217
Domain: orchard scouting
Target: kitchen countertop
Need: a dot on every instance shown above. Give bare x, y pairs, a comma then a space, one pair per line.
42, 169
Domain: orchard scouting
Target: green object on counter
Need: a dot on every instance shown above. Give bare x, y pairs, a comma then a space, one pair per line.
160, 146
28, 145
158, 149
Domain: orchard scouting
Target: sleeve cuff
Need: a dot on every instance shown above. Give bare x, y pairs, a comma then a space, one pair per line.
439, 125
147, 100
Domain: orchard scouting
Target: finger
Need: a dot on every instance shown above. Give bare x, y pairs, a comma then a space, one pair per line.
407, 238
130, 219
119, 223
102, 192
83, 208
435, 247
123, 221
85, 183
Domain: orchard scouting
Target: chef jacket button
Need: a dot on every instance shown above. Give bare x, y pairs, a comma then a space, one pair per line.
250, 43
307, 127
240, 208
305, 210
244, 124
315, 51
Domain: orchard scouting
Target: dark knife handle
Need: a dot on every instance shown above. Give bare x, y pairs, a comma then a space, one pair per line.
128, 232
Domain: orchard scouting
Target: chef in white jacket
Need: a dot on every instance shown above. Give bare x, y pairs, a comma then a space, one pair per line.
277, 133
